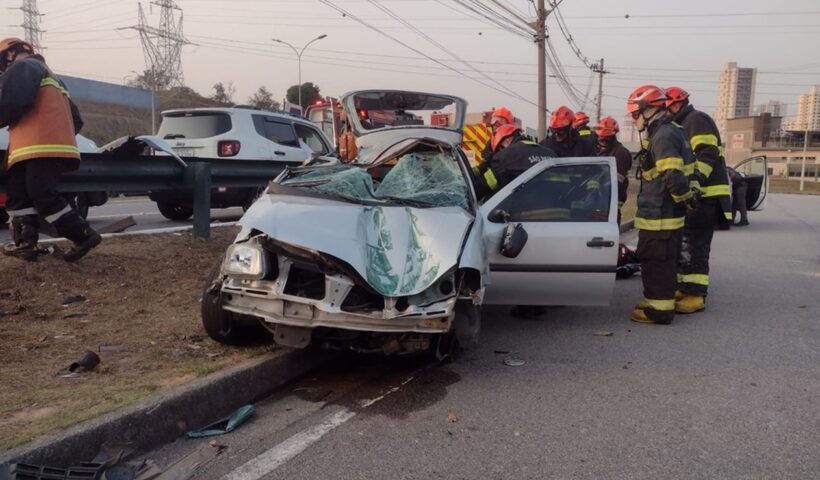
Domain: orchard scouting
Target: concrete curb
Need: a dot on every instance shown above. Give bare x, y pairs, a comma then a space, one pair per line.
627, 225
162, 419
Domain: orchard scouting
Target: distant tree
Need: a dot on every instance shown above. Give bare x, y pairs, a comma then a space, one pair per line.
264, 99
310, 94
223, 93
150, 80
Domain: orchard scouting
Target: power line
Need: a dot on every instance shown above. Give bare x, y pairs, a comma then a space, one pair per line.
385, 34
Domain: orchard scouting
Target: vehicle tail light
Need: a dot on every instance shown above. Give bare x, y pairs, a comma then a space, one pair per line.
228, 148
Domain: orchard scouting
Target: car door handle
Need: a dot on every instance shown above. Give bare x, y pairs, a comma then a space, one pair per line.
279, 152
600, 242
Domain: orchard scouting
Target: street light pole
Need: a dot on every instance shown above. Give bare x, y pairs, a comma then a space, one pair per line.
805, 152
299, 59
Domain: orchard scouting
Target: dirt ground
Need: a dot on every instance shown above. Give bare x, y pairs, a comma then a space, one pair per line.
139, 313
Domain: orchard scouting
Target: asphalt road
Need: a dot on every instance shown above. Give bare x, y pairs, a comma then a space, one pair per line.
145, 214
729, 393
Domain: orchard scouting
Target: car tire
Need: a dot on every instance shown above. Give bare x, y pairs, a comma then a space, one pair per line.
175, 211
223, 326
4, 217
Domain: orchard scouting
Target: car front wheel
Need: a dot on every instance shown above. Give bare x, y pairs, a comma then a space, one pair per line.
175, 211
222, 325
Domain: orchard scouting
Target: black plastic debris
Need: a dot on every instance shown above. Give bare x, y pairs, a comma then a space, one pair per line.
73, 299
85, 471
87, 362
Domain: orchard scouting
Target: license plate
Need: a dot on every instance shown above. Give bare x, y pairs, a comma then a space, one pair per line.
185, 152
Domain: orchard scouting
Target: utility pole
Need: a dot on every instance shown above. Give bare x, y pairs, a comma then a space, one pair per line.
540, 40
599, 69
805, 152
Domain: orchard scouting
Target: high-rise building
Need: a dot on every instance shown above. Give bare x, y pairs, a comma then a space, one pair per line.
736, 92
808, 112
774, 108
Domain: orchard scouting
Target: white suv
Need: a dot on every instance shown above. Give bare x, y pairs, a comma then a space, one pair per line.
238, 132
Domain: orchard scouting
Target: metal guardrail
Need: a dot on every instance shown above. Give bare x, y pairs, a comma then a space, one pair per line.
116, 172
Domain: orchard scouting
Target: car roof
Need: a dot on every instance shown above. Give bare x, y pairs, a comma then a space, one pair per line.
238, 110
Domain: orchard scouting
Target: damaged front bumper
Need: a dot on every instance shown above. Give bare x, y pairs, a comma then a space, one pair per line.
268, 300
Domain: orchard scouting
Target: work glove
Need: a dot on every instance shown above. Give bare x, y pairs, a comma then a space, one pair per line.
693, 202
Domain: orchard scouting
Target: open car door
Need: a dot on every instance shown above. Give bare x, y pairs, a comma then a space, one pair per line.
569, 209
755, 171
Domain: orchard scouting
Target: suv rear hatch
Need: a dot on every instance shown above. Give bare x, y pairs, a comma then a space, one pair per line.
194, 133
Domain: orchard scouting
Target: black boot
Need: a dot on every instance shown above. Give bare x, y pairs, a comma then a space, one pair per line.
74, 227
24, 234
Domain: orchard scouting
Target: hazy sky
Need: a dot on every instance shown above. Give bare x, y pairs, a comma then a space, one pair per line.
663, 42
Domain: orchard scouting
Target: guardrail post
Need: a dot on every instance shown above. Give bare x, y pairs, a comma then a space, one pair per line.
202, 200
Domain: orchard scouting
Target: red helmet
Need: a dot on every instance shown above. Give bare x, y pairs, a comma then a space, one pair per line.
501, 133
644, 97
607, 127
675, 94
7, 43
581, 119
561, 117
505, 113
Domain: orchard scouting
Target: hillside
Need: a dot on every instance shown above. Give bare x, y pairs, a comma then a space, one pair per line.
105, 122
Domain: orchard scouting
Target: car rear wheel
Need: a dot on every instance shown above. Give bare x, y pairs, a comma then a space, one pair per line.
221, 325
175, 211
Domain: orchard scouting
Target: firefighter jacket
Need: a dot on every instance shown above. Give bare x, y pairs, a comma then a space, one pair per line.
42, 120
623, 162
573, 146
710, 166
587, 134
666, 168
509, 163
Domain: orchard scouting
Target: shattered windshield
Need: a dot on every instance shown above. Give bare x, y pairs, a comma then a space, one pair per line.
418, 179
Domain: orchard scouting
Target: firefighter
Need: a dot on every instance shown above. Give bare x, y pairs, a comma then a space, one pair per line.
665, 195
581, 125
42, 123
715, 206
609, 146
501, 116
513, 154
563, 139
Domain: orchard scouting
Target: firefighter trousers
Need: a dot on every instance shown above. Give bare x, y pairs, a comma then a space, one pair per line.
658, 253
32, 189
693, 265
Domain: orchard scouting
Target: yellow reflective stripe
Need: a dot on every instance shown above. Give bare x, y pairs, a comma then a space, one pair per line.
715, 190
689, 169
576, 204
529, 142
657, 225
644, 143
650, 174
728, 215
694, 184
659, 305
593, 184
38, 149
704, 168
489, 177
695, 278
584, 133
620, 204
669, 163
682, 198
705, 139
50, 82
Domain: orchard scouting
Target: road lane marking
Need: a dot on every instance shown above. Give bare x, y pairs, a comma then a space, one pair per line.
298, 443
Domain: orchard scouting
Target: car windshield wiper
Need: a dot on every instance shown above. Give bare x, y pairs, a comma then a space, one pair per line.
173, 136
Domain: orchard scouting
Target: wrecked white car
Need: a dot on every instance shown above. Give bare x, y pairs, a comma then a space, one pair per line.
393, 253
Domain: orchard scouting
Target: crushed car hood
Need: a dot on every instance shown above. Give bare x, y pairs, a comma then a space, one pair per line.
398, 250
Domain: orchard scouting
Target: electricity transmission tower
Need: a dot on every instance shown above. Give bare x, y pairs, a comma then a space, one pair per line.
162, 46
31, 24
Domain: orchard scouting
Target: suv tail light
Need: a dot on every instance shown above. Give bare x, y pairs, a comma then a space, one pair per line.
228, 148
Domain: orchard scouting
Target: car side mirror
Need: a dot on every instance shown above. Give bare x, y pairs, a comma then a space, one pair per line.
498, 215
514, 239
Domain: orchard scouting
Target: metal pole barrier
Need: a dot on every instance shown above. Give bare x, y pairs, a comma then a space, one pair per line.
202, 200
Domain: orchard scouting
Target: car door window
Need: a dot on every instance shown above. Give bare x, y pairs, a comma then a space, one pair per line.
274, 130
564, 193
312, 138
